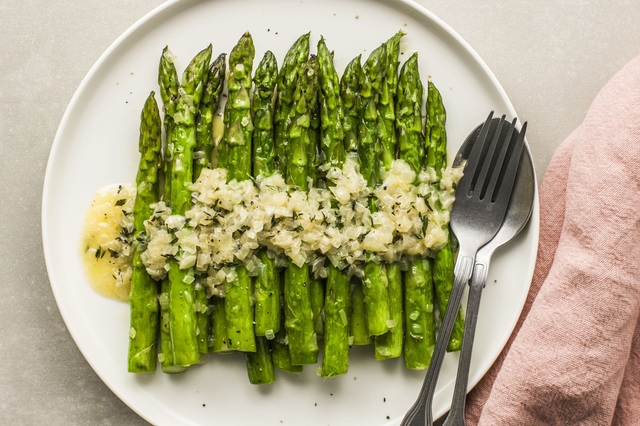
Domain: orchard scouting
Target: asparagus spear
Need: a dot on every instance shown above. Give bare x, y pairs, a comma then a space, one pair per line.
316, 285
350, 97
336, 307
419, 318
265, 81
260, 366
219, 338
358, 327
316, 299
281, 355
267, 285
182, 318
436, 139
143, 299
418, 296
331, 111
352, 106
202, 159
389, 345
303, 345
237, 161
386, 104
375, 284
169, 84
409, 118
313, 157
237, 115
207, 110
292, 67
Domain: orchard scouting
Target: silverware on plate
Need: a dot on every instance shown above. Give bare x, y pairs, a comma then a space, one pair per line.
482, 198
518, 215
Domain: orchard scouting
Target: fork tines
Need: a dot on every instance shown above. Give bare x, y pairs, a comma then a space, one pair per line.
491, 151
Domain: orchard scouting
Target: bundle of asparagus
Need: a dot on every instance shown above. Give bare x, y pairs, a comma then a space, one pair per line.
298, 121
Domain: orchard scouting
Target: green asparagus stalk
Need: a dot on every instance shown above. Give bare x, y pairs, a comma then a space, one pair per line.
358, 326
443, 264
313, 157
303, 344
143, 298
409, 115
336, 306
203, 316
167, 358
219, 338
316, 285
267, 283
202, 159
419, 319
280, 353
375, 283
267, 297
169, 84
260, 367
418, 296
265, 81
336, 326
292, 67
386, 104
207, 110
316, 298
237, 140
389, 344
237, 115
350, 97
352, 106
182, 317
331, 111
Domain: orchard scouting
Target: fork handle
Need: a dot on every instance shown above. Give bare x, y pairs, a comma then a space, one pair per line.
420, 413
478, 281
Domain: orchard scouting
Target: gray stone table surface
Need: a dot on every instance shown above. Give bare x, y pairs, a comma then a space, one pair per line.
567, 51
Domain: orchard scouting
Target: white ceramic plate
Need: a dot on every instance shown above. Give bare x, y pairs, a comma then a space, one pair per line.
96, 145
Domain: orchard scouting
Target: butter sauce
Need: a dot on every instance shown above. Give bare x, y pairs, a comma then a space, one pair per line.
106, 241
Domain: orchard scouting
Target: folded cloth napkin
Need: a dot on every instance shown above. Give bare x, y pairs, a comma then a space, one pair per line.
574, 357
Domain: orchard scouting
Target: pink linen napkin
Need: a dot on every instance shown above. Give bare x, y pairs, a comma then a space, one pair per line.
574, 358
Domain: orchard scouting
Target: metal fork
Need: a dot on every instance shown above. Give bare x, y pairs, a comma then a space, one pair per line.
482, 198
518, 214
